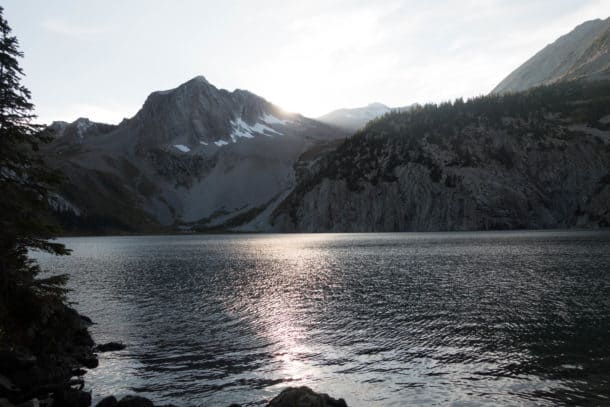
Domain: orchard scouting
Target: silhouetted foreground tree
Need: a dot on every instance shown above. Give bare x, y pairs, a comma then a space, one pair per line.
25, 185
43, 342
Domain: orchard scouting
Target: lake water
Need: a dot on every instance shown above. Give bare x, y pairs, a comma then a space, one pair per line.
500, 318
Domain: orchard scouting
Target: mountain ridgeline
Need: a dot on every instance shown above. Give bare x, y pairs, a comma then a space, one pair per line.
193, 158
582, 54
533, 154
537, 159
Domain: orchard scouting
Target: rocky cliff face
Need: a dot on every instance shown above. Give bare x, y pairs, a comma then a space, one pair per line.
192, 157
584, 53
540, 159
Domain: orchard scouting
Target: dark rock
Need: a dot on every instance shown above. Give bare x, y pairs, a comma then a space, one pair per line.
11, 361
88, 360
83, 338
79, 372
7, 386
304, 397
109, 347
30, 403
33, 377
109, 401
72, 398
46, 357
135, 401
48, 402
86, 319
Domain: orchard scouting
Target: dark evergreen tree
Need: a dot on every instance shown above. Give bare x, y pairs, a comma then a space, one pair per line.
25, 191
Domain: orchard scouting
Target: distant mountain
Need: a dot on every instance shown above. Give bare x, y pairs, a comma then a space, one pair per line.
584, 53
78, 131
537, 159
193, 157
354, 119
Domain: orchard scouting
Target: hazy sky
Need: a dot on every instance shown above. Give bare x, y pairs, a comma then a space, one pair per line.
100, 59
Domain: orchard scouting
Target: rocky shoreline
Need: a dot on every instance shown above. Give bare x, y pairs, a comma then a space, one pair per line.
50, 371
48, 368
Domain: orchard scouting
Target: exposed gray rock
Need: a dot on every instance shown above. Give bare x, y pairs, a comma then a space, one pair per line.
193, 157
584, 53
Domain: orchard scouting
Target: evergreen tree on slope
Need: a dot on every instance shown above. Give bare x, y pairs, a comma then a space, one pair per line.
25, 190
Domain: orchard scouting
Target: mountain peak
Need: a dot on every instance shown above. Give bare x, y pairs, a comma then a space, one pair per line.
377, 105
197, 111
199, 79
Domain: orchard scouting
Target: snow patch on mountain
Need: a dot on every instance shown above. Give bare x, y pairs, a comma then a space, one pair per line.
245, 130
61, 204
182, 148
271, 119
221, 143
82, 125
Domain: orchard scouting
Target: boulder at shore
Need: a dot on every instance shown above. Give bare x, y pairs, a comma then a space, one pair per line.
289, 397
304, 397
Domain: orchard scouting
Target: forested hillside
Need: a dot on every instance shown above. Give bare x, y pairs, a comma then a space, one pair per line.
537, 159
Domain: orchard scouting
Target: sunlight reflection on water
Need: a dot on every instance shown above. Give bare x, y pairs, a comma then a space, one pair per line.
381, 319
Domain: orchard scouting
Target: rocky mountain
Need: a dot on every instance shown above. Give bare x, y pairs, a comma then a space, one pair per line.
201, 158
194, 157
584, 53
537, 159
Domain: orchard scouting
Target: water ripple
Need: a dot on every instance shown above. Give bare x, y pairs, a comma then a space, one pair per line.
379, 319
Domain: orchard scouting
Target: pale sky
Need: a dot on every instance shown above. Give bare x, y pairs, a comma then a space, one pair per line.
101, 59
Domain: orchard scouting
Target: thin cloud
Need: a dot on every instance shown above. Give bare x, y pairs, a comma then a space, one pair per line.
310, 57
65, 28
